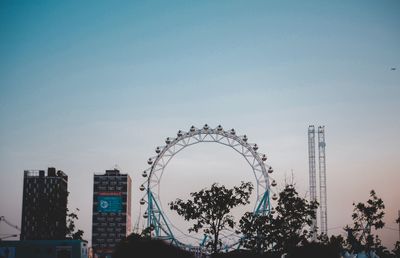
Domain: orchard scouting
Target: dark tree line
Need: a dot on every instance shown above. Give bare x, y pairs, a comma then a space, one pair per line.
287, 229
284, 230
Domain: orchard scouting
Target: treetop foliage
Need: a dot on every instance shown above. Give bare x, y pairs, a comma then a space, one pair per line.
210, 208
282, 231
366, 216
71, 233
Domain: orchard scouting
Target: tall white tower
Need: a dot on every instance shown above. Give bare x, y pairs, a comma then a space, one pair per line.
322, 180
322, 177
312, 175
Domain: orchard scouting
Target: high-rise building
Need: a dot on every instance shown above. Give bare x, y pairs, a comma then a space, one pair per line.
111, 221
44, 205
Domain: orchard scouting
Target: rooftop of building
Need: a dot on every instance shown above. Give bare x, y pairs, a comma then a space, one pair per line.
111, 172
51, 172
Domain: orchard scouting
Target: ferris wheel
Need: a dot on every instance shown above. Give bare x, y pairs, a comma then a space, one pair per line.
157, 221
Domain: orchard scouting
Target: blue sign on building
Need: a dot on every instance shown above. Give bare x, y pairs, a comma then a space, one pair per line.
109, 203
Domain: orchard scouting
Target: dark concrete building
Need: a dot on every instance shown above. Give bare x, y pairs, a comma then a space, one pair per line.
44, 249
44, 205
111, 221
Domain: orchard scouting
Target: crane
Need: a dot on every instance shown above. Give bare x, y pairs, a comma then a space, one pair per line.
4, 236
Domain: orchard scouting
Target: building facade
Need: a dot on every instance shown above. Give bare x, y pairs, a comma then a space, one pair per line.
44, 205
44, 249
111, 221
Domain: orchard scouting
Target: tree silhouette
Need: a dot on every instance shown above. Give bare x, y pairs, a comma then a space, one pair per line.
256, 230
365, 218
337, 243
210, 208
396, 249
135, 245
71, 233
283, 231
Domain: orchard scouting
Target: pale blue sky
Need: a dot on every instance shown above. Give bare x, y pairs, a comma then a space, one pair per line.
84, 86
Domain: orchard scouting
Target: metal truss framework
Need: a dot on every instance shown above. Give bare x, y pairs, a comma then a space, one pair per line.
322, 180
322, 177
312, 175
156, 219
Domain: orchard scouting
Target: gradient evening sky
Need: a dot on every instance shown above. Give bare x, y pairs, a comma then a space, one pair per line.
85, 85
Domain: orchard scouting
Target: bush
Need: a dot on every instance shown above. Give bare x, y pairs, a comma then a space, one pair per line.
138, 247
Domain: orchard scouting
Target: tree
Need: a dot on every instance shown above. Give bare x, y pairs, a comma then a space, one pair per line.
256, 230
210, 208
283, 231
136, 245
71, 233
337, 243
365, 218
396, 249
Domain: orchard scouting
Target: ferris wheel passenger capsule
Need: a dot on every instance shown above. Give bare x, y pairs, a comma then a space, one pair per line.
158, 150
142, 202
273, 183
270, 170
255, 147
205, 127
264, 157
144, 174
244, 138
145, 215
141, 188
192, 128
219, 128
168, 140
274, 197
272, 211
233, 131
179, 133
149, 161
